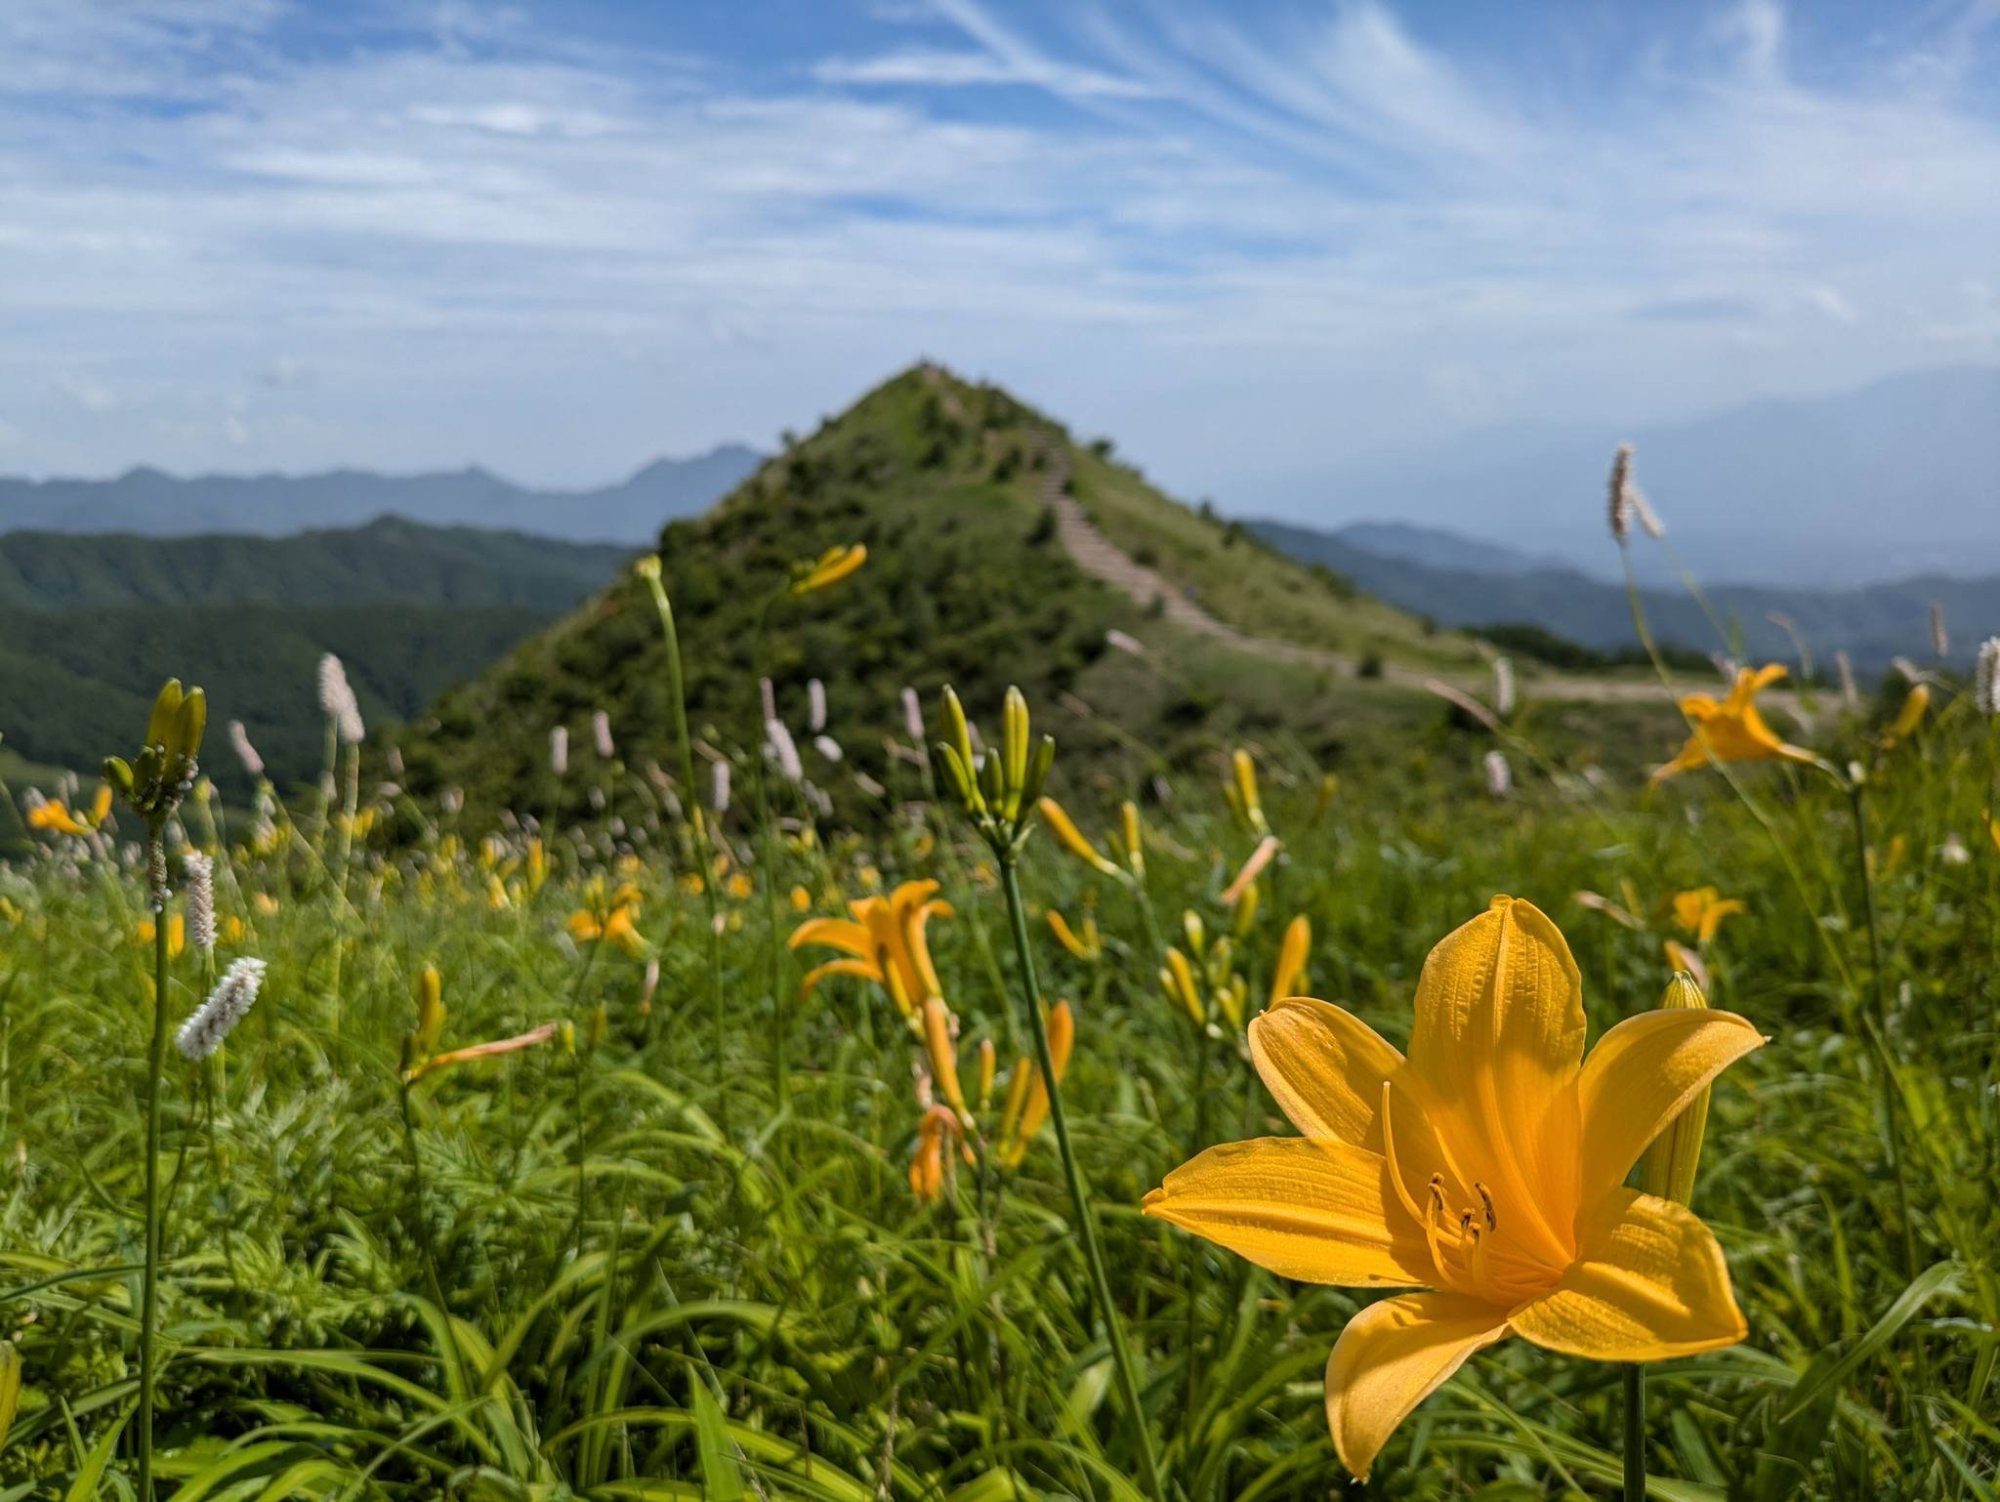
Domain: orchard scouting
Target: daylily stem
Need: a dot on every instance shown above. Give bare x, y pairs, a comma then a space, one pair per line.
1879, 1028
1635, 1432
149, 1316
1100, 1285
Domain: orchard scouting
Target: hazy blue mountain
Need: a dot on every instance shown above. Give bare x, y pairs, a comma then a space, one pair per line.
1896, 479
154, 503
1437, 548
1872, 623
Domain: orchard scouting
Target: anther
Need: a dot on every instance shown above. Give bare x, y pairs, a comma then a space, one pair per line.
1485, 1199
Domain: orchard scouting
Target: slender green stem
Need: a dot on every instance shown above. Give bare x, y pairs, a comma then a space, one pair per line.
1635, 1432
691, 811
1879, 1028
1100, 1284
149, 1316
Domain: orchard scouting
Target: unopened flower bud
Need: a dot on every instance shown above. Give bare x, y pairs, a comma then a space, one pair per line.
1670, 1163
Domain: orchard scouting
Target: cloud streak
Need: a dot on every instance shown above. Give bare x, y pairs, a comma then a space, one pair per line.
1258, 253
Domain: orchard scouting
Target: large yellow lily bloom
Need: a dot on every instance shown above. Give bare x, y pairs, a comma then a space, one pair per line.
884, 943
1487, 1167
1732, 730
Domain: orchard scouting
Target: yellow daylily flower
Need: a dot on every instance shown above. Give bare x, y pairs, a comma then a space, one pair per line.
1072, 839
1293, 951
835, 564
1487, 1166
1087, 946
176, 934
1909, 717
613, 921
1702, 910
883, 942
1027, 1103
57, 815
1732, 730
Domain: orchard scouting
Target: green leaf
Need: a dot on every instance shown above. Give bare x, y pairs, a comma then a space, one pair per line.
720, 1478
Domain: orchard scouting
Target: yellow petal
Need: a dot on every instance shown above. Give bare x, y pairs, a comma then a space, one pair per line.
1649, 1283
1641, 1075
1293, 953
1316, 1210
861, 968
835, 933
1325, 1067
1497, 1045
1392, 1356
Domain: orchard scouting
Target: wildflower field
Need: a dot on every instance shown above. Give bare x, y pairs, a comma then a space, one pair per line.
981, 1148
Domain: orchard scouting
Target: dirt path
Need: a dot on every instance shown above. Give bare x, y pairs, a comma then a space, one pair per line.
1103, 559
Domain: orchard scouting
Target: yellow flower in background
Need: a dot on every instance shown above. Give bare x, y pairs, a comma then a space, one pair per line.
1072, 839
1487, 1166
1027, 1103
1087, 946
835, 564
739, 885
802, 900
1241, 790
1293, 951
1732, 730
609, 919
1909, 717
176, 934
57, 815
883, 942
1701, 911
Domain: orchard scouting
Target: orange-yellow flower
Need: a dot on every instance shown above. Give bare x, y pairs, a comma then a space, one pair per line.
1732, 730
1702, 910
835, 564
883, 942
1087, 945
611, 920
1487, 1167
57, 815
1293, 952
176, 934
1027, 1103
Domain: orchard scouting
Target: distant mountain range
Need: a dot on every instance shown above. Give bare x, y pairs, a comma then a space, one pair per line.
1896, 479
153, 503
1460, 581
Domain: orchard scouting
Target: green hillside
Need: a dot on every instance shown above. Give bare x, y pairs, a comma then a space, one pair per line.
388, 559
968, 582
71, 682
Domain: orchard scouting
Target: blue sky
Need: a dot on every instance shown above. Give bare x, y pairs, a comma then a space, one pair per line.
1261, 244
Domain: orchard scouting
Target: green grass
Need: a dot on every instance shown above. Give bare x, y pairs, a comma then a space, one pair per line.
620, 1269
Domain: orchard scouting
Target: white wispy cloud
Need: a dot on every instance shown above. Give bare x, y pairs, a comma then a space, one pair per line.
1255, 249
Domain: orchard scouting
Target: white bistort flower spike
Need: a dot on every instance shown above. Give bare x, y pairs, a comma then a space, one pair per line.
1986, 677
200, 873
203, 1032
239, 738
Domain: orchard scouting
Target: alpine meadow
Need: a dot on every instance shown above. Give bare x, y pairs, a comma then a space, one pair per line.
956, 978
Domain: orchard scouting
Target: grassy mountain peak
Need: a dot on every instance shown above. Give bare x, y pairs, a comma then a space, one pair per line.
968, 501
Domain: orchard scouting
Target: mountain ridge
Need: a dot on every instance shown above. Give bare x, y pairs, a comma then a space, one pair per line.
1872, 623
152, 502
